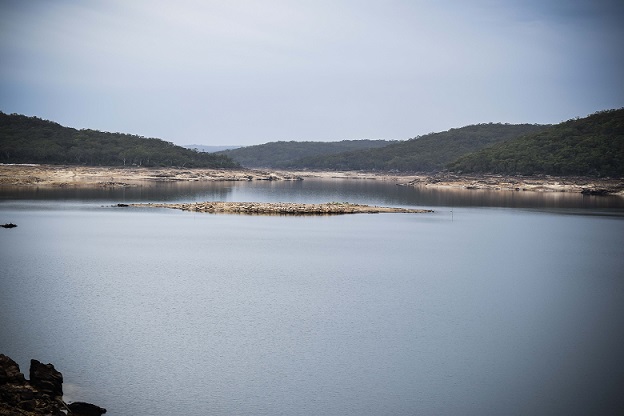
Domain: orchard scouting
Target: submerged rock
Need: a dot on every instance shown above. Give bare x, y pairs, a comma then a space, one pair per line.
598, 191
85, 409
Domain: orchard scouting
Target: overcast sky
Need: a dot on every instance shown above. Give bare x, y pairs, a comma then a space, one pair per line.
244, 72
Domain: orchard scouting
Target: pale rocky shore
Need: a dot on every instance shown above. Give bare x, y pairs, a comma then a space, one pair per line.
99, 176
90, 176
281, 208
542, 183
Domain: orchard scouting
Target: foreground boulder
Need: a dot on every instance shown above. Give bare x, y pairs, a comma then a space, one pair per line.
46, 379
41, 395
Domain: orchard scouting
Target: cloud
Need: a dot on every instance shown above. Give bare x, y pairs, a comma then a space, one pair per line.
242, 72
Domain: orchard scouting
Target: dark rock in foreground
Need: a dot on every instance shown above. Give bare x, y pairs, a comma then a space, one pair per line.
46, 379
8, 225
41, 395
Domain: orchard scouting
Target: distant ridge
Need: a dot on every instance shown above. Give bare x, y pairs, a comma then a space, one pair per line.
424, 154
589, 146
428, 153
284, 154
210, 149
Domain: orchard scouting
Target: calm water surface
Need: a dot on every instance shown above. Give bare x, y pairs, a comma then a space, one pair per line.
513, 303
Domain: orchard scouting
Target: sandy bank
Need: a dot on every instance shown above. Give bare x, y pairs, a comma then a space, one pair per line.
89, 176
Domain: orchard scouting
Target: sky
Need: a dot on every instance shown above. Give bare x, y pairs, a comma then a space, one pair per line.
245, 72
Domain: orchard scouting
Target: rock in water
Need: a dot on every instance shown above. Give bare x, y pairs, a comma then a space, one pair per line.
85, 409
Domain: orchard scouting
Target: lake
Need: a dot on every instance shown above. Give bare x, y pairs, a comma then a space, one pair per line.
498, 303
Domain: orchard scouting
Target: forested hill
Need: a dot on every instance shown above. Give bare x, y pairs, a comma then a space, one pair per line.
33, 140
590, 146
286, 154
428, 153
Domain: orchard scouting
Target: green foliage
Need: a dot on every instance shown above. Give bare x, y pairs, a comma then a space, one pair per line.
33, 140
421, 154
591, 146
287, 154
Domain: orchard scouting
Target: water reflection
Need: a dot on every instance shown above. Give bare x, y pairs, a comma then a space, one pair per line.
143, 192
512, 199
376, 192
351, 315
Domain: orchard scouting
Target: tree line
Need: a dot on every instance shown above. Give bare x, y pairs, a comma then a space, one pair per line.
285, 154
33, 140
431, 152
590, 146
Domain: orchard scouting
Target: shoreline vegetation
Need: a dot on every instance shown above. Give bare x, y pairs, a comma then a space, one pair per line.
588, 147
34, 175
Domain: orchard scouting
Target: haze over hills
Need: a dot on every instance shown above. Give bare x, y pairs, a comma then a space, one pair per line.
209, 149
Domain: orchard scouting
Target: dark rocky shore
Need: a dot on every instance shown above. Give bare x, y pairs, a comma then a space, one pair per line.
41, 395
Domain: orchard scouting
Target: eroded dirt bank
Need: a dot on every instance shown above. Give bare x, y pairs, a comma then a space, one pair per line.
88, 176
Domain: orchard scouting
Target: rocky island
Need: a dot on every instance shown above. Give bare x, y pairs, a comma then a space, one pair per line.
41, 395
282, 208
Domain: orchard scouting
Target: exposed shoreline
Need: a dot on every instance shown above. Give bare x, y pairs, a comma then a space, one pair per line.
105, 177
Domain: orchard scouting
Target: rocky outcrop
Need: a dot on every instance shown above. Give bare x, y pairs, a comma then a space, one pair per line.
41, 395
46, 379
283, 208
